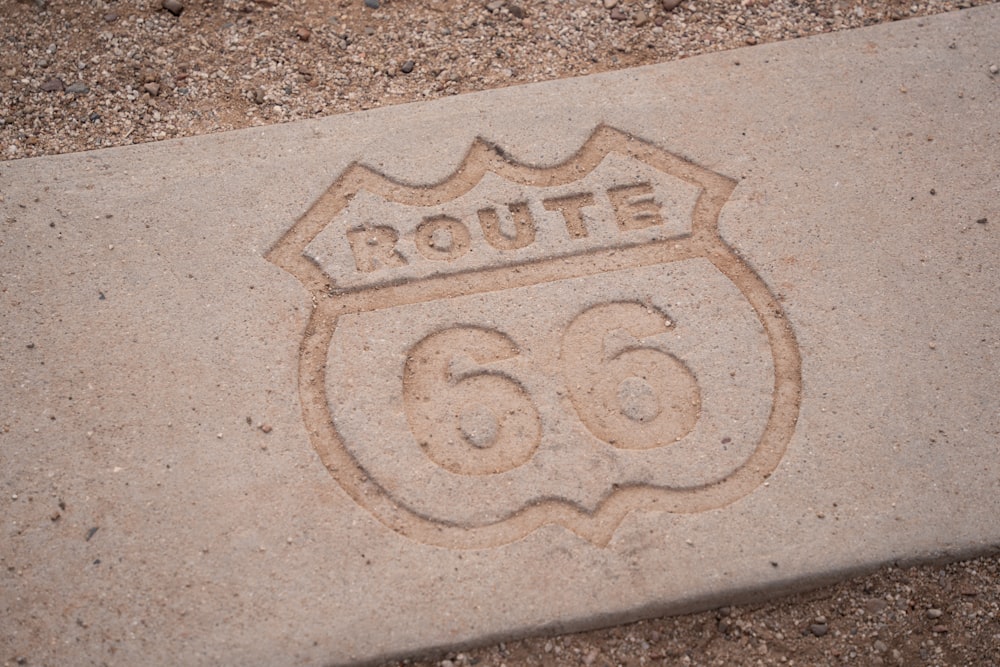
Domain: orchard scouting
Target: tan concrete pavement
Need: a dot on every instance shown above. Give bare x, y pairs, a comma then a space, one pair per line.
535, 359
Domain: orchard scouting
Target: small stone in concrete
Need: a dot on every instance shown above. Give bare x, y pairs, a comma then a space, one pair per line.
373, 4
934, 613
79, 88
670, 5
152, 88
407, 67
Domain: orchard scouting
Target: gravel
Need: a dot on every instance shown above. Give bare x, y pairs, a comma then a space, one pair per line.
932, 615
76, 76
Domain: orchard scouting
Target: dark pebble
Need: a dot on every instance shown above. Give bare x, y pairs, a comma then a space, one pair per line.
111, 17
669, 5
372, 4
79, 88
516, 11
173, 6
52, 85
94, 117
90, 533
408, 67
819, 629
618, 15
981, 221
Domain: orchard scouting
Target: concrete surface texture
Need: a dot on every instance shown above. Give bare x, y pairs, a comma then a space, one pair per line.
536, 359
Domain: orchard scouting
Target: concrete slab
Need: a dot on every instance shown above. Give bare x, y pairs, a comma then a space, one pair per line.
530, 360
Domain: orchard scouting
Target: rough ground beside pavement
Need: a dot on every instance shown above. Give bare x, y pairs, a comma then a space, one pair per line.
931, 615
77, 76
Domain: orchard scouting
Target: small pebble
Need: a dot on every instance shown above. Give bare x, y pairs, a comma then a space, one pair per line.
618, 15
152, 88
994, 70
819, 629
981, 221
516, 11
173, 6
266, 428
609, 4
407, 67
79, 88
52, 85
669, 5
373, 4
304, 34
111, 17
641, 19
876, 605
934, 613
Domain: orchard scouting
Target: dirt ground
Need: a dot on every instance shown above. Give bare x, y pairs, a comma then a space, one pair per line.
930, 615
77, 76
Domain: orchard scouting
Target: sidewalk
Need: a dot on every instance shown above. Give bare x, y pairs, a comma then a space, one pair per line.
537, 359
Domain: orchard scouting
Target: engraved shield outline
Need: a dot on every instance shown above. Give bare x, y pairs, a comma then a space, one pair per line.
703, 241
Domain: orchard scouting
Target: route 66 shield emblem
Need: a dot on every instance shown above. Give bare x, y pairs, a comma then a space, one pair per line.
519, 346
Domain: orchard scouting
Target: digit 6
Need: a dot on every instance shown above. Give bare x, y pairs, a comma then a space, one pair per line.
470, 420
637, 397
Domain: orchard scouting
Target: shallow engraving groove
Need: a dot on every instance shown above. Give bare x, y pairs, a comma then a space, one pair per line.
463, 436
473, 393
637, 397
